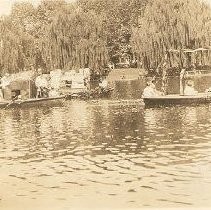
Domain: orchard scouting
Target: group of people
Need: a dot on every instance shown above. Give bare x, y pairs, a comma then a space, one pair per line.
151, 91
42, 83
46, 85
44, 88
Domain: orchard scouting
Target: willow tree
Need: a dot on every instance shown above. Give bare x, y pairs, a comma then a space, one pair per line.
75, 40
118, 16
166, 26
56, 34
17, 47
17, 43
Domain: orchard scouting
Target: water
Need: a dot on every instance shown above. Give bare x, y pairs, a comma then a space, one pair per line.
109, 153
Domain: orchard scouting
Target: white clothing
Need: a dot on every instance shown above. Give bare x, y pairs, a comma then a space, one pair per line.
5, 81
149, 92
55, 78
104, 84
41, 81
189, 91
55, 83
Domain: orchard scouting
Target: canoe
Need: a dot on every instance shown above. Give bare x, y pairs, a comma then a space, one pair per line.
96, 94
93, 94
32, 102
176, 99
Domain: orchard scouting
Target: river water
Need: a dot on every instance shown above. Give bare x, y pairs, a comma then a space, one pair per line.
109, 154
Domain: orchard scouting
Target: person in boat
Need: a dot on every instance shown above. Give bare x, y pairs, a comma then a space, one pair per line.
103, 84
189, 89
42, 85
150, 90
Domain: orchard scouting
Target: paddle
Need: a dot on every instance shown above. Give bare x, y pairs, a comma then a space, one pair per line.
13, 102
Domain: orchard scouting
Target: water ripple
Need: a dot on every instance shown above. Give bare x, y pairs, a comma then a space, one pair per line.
88, 150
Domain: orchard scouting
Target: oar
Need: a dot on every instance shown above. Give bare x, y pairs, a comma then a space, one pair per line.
12, 102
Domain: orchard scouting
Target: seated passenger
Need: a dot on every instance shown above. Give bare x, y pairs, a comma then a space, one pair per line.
150, 91
189, 89
104, 84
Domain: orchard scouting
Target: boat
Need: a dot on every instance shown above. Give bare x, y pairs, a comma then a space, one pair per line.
90, 94
177, 99
101, 93
33, 102
181, 98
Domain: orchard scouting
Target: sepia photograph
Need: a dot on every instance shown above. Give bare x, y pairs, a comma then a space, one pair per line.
105, 104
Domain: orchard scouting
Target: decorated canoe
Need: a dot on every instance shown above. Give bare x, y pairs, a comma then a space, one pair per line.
51, 101
176, 99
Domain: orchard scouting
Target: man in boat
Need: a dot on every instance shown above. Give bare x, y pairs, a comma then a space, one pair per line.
150, 90
189, 89
41, 83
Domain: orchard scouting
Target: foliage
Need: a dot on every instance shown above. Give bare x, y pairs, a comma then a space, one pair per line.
54, 35
119, 17
57, 34
167, 25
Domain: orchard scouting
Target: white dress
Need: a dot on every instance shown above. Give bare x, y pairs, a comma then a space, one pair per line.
149, 92
189, 91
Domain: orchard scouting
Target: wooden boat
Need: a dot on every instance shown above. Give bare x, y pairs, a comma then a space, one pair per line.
176, 99
93, 94
104, 93
33, 102
180, 99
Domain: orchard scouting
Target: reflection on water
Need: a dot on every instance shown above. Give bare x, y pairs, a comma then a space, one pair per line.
106, 153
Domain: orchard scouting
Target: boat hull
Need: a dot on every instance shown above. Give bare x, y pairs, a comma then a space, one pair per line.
34, 102
171, 100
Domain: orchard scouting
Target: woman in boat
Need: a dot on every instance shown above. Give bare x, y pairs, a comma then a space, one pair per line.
189, 89
150, 90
